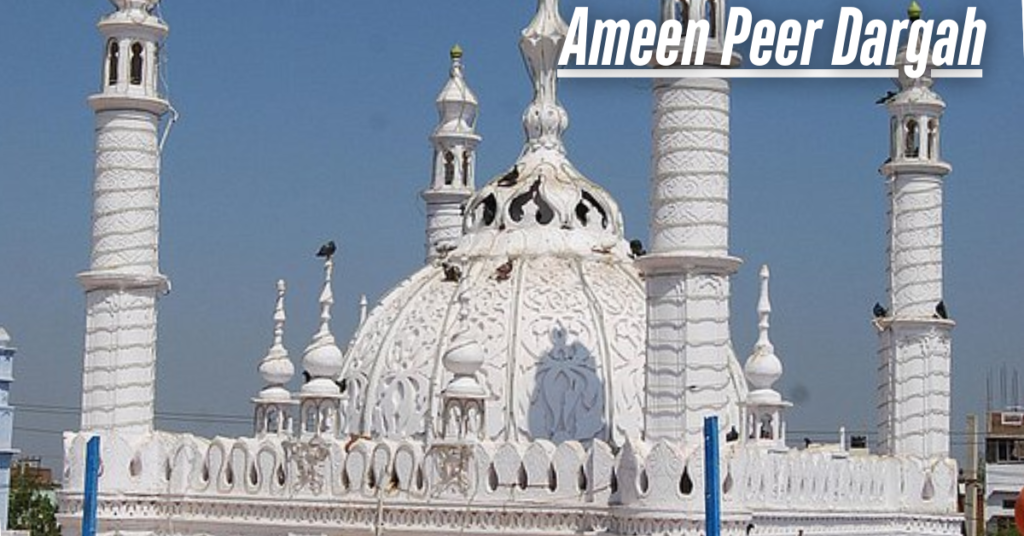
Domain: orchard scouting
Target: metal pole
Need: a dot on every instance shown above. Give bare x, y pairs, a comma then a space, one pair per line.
712, 489
971, 477
92, 472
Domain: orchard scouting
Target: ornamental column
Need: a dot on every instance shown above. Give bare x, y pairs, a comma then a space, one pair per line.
691, 369
124, 279
915, 331
453, 179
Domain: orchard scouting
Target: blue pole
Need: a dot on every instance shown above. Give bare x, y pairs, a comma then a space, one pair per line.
92, 473
712, 489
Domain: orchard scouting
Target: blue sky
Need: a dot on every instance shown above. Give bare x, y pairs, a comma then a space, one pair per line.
303, 121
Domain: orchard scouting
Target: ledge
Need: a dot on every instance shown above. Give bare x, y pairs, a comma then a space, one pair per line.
677, 263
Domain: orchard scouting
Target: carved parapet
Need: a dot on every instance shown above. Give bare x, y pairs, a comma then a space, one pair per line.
646, 488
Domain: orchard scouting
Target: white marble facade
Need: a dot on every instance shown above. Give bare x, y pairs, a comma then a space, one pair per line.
539, 374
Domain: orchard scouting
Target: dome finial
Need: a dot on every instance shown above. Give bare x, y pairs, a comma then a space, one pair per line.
323, 358
456, 52
764, 311
544, 120
914, 11
276, 368
763, 368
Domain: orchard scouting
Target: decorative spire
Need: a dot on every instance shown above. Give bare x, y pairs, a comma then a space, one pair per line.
276, 368
457, 106
362, 310
763, 368
544, 120
764, 311
323, 358
914, 11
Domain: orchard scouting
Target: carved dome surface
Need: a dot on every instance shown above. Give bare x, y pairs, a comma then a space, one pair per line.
562, 337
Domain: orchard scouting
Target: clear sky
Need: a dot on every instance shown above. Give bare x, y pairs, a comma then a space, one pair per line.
308, 120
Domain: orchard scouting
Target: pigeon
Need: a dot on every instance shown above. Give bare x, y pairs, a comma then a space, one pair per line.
504, 271
636, 248
940, 310
879, 311
888, 97
452, 273
733, 435
327, 250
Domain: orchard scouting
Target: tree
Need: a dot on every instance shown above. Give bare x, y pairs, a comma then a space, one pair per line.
30, 508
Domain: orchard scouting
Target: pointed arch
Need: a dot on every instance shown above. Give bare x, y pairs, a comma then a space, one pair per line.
912, 144
113, 62
933, 139
711, 15
137, 63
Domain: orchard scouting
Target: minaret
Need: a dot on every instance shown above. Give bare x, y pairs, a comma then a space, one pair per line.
765, 405
7, 451
691, 369
914, 332
274, 401
124, 280
454, 141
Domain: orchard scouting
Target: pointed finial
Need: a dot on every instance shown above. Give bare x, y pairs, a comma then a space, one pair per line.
276, 368
764, 310
544, 120
327, 297
362, 310
279, 316
763, 368
456, 52
914, 11
323, 358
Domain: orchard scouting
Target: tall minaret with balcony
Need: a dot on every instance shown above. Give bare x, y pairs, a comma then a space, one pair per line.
455, 140
124, 280
691, 369
914, 331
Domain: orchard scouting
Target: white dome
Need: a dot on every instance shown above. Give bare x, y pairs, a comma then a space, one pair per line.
542, 281
563, 342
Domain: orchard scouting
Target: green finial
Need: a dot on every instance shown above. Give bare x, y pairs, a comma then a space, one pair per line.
914, 11
456, 52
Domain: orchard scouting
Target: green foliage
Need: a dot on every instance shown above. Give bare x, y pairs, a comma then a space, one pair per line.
30, 507
1009, 531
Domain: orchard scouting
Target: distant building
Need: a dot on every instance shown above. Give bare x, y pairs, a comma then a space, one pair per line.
6, 422
1004, 466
